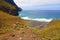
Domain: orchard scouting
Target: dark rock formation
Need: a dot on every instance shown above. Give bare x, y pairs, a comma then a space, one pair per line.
10, 7
12, 2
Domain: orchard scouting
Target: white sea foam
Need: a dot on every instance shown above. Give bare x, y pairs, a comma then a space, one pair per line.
38, 19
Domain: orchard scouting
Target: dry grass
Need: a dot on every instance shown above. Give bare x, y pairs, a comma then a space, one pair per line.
9, 22
51, 32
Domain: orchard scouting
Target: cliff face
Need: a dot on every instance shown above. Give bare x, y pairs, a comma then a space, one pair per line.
12, 2
10, 7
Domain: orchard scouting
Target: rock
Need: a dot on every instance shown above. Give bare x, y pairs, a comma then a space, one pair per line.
10, 7
12, 2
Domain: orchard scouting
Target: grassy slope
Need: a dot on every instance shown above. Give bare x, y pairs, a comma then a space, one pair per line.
8, 25
50, 32
8, 22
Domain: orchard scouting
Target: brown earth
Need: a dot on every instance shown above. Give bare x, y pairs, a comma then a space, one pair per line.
22, 34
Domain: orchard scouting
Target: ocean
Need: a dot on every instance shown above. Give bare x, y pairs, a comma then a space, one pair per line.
40, 14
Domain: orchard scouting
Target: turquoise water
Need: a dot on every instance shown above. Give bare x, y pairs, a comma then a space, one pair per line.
54, 14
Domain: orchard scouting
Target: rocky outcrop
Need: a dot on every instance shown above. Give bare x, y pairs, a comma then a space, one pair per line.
12, 2
10, 7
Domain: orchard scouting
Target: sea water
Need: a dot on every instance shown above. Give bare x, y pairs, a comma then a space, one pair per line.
40, 14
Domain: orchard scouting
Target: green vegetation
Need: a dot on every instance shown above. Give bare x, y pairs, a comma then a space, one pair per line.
5, 4
50, 32
1, 0
9, 22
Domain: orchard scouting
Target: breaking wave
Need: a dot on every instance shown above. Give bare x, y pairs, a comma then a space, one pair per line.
38, 19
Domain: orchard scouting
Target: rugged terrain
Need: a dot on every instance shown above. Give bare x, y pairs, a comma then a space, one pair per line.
13, 27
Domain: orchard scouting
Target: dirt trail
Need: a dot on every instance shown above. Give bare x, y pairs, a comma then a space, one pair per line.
20, 35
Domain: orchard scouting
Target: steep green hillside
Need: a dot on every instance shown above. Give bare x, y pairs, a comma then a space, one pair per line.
50, 32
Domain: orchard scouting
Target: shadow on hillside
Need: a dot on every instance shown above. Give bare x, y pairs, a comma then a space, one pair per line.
13, 12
